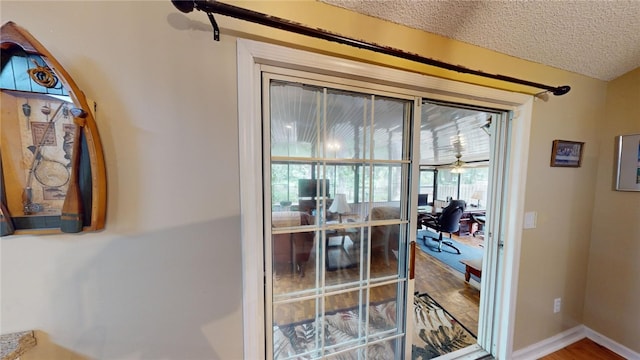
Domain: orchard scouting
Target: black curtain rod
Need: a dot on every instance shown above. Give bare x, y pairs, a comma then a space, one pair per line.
213, 6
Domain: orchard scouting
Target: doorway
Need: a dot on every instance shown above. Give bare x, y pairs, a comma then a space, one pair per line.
455, 168
252, 61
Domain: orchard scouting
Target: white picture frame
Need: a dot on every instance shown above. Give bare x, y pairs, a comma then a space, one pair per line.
627, 172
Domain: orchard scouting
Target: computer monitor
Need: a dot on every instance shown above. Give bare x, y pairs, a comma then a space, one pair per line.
311, 188
423, 199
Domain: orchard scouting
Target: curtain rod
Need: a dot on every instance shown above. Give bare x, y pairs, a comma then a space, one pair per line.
213, 6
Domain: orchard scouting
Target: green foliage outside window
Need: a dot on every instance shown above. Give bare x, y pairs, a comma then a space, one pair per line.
284, 181
349, 179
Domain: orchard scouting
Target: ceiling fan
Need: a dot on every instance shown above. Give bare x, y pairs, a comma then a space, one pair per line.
458, 165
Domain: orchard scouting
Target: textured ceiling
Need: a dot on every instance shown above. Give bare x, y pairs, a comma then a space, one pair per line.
596, 38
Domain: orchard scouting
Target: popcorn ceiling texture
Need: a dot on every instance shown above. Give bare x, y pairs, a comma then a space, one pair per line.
596, 38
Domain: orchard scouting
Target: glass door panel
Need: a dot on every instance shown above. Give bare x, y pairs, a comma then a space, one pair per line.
426, 186
347, 114
390, 128
385, 243
338, 165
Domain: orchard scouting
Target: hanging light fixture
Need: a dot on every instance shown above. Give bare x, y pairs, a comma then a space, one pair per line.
457, 170
458, 165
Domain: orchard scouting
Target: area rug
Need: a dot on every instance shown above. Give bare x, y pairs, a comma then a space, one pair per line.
448, 255
436, 332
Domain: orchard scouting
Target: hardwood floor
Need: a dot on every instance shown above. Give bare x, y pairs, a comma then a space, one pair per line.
447, 286
442, 283
584, 349
288, 285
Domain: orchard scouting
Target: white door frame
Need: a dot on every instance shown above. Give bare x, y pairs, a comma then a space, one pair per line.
250, 56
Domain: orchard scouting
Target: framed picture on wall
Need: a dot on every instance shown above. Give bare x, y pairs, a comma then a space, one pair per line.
628, 163
566, 153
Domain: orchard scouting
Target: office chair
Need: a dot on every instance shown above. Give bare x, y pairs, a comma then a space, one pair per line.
448, 221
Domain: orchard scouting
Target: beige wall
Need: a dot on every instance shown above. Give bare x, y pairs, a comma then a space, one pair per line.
613, 286
553, 262
163, 280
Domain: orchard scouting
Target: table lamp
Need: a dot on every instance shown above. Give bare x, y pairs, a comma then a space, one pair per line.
477, 195
340, 205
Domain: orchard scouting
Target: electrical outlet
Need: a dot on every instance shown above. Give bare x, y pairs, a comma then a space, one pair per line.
530, 218
557, 304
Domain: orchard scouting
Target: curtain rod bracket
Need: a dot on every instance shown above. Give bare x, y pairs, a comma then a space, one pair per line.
214, 6
214, 24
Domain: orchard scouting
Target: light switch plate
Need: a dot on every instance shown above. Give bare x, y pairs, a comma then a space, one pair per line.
530, 219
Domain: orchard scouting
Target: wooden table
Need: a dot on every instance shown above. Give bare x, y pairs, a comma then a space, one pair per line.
13, 345
337, 255
472, 267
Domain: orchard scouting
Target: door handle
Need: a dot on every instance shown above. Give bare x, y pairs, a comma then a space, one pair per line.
412, 260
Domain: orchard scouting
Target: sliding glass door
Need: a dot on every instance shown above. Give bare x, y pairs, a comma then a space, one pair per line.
336, 197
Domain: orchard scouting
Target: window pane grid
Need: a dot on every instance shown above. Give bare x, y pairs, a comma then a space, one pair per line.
325, 145
338, 289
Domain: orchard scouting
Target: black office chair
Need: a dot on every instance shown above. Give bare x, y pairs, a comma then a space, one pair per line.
448, 222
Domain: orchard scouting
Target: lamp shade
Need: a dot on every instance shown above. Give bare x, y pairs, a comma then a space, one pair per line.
477, 195
340, 204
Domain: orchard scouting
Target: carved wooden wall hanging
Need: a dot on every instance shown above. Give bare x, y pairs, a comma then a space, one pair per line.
52, 167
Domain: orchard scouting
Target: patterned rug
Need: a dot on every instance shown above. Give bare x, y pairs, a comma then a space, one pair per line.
436, 333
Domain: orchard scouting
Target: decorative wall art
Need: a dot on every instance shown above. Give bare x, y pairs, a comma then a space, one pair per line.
627, 175
52, 167
566, 153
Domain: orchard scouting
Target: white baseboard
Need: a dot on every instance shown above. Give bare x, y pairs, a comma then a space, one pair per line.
550, 345
617, 348
568, 337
